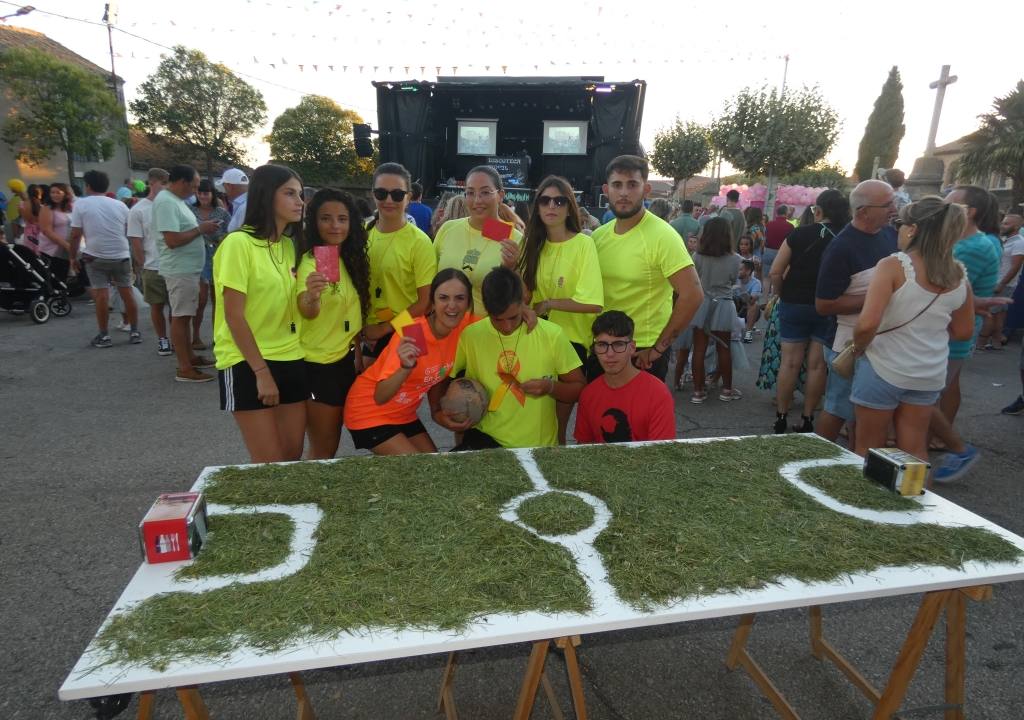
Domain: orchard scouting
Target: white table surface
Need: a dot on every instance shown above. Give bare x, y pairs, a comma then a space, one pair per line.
609, 613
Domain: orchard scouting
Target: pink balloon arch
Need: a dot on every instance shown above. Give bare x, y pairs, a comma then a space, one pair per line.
797, 196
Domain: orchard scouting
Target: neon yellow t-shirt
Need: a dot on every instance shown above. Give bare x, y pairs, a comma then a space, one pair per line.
400, 262
327, 337
265, 274
570, 270
635, 268
459, 245
518, 420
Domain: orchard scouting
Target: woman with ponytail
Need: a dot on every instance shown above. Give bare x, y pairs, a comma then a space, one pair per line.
918, 300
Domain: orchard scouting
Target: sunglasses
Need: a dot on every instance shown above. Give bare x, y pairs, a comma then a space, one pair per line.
396, 195
558, 200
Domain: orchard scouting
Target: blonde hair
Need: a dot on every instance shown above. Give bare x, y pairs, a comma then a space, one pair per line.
939, 225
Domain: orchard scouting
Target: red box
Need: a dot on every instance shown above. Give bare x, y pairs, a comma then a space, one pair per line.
174, 528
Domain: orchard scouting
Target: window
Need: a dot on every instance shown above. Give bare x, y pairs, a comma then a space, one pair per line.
478, 137
565, 137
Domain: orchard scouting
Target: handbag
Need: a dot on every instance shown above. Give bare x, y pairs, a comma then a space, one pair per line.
843, 363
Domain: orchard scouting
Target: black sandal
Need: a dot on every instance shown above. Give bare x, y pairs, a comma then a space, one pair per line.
807, 426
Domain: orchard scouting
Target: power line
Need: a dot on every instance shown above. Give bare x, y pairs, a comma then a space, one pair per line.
165, 47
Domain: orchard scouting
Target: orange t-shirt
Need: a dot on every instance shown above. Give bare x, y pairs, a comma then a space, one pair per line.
362, 411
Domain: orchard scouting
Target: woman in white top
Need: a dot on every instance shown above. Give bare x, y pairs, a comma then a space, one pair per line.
918, 300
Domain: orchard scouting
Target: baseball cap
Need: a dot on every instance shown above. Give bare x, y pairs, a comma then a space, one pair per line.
232, 176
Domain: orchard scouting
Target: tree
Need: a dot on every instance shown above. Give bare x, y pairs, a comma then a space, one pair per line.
764, 132
680, 152
998, 145
190, 100
821, 174
58, 107
314, 138
884, 130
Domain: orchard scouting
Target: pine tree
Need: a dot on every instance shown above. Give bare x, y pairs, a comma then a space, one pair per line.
884, 130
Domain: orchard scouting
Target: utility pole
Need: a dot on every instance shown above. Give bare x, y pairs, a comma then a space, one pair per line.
785, 72
109, 18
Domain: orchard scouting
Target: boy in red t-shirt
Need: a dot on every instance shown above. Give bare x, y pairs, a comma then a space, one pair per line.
624, 404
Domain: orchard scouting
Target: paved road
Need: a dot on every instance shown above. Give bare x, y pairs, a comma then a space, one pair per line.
88, 437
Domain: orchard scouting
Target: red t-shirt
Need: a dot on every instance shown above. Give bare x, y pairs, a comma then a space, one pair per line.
642, 409
362, 411
775, 232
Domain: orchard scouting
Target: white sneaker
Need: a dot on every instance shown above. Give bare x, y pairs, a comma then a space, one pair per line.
123, 327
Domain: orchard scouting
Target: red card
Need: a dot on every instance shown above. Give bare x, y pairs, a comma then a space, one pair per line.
497, 229
327, 262
415, 332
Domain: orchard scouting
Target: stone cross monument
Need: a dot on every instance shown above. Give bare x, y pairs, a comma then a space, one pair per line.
944, 79
926, 178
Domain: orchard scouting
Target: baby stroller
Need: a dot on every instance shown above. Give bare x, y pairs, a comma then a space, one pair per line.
26, 284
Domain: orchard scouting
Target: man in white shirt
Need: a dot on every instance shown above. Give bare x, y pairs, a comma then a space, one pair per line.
142, 237
107, 259
235, 185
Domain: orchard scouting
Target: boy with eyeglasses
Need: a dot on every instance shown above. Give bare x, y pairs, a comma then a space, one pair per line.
624, 404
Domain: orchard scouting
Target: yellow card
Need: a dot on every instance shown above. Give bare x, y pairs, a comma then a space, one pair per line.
400, 320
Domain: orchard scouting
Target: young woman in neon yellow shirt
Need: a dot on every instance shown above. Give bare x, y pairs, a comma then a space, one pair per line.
332, 314
460, 243
561, 272
261, 373
402, 260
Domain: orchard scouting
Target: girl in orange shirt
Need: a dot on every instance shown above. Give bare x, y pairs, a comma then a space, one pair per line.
380, 411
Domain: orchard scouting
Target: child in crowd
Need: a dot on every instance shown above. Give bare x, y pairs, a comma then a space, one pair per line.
718, 268
746, 294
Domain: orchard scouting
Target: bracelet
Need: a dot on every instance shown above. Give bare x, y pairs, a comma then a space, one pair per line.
260, 369
552, 390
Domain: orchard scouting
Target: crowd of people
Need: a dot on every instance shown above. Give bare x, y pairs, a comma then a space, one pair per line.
330, 314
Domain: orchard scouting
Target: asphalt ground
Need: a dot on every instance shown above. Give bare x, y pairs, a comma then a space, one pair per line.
88, 438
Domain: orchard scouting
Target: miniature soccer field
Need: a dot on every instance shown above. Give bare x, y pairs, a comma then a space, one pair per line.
442, 541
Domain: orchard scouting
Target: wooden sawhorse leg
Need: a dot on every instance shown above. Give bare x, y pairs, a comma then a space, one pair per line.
739, 657
533, 679
889, 700
192, 704
304, 710
195, 709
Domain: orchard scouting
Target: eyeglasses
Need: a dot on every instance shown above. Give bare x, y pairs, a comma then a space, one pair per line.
899, 223
396, 194
618, 346
557, 200
483, 194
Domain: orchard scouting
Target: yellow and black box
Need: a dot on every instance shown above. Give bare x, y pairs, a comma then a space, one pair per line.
897, 470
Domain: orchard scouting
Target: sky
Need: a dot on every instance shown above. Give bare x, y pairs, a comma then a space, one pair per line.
693, 56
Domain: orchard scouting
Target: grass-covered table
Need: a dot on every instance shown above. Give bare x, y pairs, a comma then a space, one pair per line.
312, 565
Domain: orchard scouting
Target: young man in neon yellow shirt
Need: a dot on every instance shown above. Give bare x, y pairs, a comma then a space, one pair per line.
524, 371
643, 261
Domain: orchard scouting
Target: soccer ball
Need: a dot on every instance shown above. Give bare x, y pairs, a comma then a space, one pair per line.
465, 399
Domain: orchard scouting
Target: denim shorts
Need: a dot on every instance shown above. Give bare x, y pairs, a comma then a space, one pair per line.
837, 391
871, 391
206, 275
800, 323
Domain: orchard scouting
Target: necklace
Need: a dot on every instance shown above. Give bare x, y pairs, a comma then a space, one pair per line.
556, 281
506, 360
278, 263
377, 265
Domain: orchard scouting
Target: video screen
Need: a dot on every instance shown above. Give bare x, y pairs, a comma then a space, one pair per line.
477, 137
564, 137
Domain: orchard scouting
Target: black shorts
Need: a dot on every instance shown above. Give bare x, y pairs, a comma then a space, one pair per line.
238, 385
329, 384
369, 438
474, 439
593, 370
376, 348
